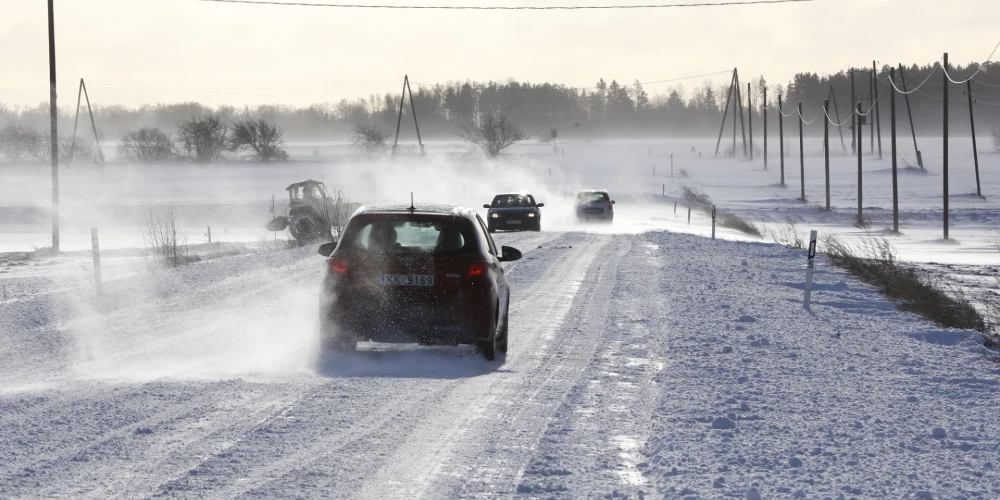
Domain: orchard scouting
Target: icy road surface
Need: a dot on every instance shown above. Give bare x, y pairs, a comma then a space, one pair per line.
658, 365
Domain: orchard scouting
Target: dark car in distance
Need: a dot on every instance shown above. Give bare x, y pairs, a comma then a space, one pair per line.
429, 274
514, 212
594, 205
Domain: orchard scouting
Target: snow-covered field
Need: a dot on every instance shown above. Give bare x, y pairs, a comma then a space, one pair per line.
646, 359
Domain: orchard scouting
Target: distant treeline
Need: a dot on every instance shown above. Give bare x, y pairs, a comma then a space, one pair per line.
609, 109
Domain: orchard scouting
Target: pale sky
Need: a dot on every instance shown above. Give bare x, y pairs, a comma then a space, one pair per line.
149, 51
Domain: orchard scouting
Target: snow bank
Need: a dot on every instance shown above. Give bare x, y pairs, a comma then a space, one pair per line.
852, 399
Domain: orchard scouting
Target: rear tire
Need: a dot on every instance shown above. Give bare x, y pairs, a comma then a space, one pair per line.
502, 346
490, 348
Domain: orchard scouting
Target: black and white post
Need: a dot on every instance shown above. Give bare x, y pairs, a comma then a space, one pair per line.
810, 265
713, 222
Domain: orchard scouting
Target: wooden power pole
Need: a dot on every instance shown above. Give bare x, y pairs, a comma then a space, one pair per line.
54, 124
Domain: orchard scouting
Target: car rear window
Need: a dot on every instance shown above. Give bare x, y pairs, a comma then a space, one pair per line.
513, 200
591, 197
394, 235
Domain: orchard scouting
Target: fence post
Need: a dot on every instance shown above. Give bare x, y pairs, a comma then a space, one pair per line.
210, 234
96, 251
802, 155
689, 216
663, 191
975, 150
763, 113
857, 125
675, 208
892, 128
713, 222
671, 164
810, 265
826, 148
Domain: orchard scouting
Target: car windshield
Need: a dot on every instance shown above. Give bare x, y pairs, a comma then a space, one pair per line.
591, 197
513, 200
399, 236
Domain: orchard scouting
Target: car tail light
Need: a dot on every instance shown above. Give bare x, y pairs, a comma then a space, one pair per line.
477, 269
338, 266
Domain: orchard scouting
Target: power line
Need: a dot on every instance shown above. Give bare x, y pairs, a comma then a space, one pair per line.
981, 65
502, 7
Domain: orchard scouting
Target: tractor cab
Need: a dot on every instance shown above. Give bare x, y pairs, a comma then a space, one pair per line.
308, 194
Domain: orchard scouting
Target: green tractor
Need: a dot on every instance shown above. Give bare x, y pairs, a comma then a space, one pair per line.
311, 213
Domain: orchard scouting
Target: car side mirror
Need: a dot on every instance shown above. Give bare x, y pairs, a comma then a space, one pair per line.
326, 249
486, 206
612, 202
540, 205
509, 254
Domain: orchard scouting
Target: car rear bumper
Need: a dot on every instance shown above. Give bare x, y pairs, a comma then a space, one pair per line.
606, 215
453, 322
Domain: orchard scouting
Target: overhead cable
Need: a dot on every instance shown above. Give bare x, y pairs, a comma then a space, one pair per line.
505, 7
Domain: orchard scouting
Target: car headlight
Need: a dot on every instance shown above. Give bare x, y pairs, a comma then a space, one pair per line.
495, 216
531, 214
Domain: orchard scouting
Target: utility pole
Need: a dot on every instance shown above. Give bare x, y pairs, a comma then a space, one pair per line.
802, 155
826, 148
892, 127
858, 125
909, 112
975, 150
763, 113
836, 110
725, 112
743, 130
750, 118
854, 144
781, 140
54, 119
871, 125
944, 164
878, 118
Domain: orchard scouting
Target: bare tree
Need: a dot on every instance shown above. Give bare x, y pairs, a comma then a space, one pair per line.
369, 140
19, 143
146, 145
494, 133
203, 139
262, 138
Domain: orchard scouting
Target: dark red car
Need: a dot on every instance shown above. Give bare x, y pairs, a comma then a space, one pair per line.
429, 274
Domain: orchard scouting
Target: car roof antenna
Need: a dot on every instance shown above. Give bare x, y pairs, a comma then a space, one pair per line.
412, 208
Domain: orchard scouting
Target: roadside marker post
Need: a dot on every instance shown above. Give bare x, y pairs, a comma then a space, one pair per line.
809, 268
675, 208
209, 234
96, 251
713, 222
689, 216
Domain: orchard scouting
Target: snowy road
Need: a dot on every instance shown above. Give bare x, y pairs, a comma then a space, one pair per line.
209, 392
658, 364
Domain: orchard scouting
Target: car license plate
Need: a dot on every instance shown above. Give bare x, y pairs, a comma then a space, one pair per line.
594, 210
514, 221
406, 280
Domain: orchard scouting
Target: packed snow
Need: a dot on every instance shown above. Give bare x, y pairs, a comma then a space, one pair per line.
647, 360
